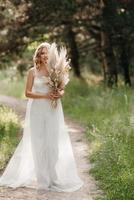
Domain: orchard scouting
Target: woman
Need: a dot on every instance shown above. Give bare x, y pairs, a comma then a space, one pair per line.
44, 157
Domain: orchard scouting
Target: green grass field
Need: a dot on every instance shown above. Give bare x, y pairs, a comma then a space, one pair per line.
11, 83
108, 115
9, 134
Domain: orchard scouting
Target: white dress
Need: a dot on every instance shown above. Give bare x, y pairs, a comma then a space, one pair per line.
44, 156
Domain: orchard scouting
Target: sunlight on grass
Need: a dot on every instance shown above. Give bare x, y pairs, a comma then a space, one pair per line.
9, 128
108, 118
11, 83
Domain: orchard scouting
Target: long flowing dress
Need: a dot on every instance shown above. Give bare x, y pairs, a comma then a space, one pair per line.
44, 157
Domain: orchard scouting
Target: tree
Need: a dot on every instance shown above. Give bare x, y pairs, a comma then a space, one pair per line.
39, 18
100, 27
116, 35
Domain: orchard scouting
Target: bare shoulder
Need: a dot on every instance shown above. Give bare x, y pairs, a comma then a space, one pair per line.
30, 71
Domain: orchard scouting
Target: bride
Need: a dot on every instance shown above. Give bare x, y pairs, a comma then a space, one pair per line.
44, 157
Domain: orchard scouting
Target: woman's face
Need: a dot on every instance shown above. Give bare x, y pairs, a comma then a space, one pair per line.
44, 55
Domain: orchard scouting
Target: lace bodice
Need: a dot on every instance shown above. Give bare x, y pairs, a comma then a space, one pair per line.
40, 84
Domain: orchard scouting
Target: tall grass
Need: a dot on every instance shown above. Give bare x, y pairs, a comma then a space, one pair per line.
9, 130
11, 83
108, 117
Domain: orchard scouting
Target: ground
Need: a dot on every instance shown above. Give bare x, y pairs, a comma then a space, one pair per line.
81, 153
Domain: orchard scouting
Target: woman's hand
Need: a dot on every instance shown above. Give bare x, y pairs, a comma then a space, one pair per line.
59, 93
55, 95
50, 96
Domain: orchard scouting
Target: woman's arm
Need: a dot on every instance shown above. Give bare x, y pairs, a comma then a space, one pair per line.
28, 89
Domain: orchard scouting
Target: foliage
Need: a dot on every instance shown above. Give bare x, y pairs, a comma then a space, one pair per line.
11, 84
9, 127
103, 29
108, 118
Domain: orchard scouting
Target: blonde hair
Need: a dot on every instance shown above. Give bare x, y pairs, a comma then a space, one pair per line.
36, 57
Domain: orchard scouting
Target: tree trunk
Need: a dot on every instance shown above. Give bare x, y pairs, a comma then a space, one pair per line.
124, 60
112, 77
109, 61
74, 51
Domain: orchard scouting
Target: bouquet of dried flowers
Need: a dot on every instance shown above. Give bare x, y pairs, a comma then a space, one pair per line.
58, 69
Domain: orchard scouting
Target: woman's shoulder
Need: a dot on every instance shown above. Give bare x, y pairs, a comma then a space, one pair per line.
31, 71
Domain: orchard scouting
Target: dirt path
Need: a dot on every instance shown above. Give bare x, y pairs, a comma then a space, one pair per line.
80, 148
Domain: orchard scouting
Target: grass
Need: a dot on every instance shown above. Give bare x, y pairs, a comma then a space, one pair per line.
11, 83
108, 116
9, 129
